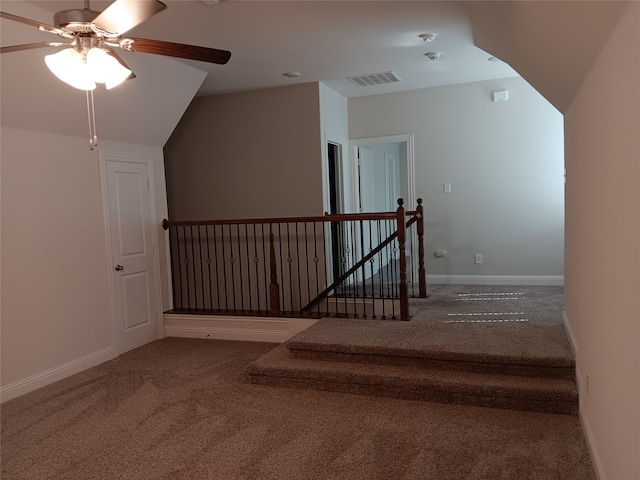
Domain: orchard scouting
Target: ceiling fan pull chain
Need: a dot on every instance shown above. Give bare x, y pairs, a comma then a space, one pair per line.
91, 116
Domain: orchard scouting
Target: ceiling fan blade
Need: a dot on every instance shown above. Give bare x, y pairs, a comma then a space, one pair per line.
123, 15
179, 50
30, 46
39, 25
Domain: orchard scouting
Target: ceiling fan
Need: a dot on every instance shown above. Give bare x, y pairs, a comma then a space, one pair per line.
91, 33
90, 38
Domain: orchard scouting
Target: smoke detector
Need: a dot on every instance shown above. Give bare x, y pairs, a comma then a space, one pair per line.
428, 37
433, 55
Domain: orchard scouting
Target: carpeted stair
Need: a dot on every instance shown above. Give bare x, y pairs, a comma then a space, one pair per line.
529, 371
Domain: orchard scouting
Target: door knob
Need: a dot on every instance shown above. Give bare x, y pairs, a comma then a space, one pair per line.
119, 268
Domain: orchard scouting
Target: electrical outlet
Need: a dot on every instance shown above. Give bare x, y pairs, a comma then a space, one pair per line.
479, 259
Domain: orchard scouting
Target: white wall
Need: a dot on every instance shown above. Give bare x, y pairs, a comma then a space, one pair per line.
505, 164
334, 126
603, 249
56, 306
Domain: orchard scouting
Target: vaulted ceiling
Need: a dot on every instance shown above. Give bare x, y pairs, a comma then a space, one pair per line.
552, 43
325, 41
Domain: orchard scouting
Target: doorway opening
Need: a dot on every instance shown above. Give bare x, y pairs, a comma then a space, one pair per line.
334, 170
382, 171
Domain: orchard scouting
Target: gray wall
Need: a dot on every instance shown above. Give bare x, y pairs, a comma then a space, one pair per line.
246, 155
505, 163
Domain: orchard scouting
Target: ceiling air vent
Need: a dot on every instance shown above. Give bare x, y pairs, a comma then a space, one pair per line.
375, 79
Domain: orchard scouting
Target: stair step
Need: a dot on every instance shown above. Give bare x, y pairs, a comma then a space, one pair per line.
441, 361
417, 382
537, 351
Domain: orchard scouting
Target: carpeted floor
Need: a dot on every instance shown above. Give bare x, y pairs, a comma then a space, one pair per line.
453, 303
183, 409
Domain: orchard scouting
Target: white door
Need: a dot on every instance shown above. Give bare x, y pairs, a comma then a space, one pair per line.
132, 246
369, 188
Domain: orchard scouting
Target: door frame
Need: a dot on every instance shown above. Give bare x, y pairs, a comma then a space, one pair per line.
147, 160
409, 203
354, 144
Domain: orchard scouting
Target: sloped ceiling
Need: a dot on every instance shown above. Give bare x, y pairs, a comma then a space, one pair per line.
552, 44
326, 41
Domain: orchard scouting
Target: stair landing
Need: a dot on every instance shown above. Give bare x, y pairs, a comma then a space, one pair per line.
522, 367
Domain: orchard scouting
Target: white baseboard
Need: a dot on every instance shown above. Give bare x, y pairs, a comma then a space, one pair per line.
252, 329
584, 420
591, 443
541, 280
47, 377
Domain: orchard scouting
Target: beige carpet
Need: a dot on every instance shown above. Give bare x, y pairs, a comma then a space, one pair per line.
183, 409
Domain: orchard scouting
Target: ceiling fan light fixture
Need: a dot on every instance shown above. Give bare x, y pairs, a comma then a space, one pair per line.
106, 68
69, 66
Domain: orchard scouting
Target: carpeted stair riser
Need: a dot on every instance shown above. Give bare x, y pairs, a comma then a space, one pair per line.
454, 398
478, 364
413, 382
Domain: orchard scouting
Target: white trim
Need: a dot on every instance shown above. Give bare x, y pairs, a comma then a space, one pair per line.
591, 442
147, 160
584, 421
52, 375
541, 280
220, 327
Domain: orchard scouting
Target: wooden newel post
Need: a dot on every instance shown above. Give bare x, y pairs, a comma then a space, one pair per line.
422, 272
274, 288
402, 240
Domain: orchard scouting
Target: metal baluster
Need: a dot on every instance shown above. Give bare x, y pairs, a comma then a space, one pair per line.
282, 305
306, 244
232, 262
264, 256
201, 267
193, 260
316, 259
290, 261
381, 268
371, 262
185, 263
240, 267
224, 270
355, 274
256, 260
248, 259
206, 232
344, 265
217, 276
175, 261
364, 271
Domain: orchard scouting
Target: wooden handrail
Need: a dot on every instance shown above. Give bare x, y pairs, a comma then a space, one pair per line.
399, 217
363, 261
339, 217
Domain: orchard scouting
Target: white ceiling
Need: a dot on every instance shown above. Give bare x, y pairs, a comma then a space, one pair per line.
323, 40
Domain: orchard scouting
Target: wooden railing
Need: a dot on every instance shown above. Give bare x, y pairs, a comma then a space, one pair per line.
331, 265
